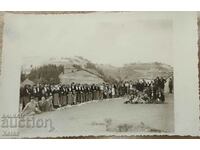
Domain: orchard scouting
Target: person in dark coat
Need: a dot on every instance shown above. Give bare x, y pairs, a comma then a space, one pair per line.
46, 91
82, 94
56, 98
78, 93
26, 95
162, 83
39, 92
62, 96
93, 90
74, 94
170, 85
69, 96
162, 87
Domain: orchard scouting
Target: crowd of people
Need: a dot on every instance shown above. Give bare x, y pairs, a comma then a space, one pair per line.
45, 97
151, 92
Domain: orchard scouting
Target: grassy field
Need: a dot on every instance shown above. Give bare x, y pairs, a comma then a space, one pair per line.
107, 117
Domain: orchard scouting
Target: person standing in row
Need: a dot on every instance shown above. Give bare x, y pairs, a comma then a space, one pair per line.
63, 97
56, 97
170, 85
113, 91
101, 88
69, 96
73, 87
25, 94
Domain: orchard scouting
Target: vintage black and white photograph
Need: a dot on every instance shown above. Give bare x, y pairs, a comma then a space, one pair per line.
198, 23
94, 73
1, 39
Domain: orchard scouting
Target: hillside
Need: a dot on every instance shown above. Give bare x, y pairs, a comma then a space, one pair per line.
145, 70
136, 71
109, 73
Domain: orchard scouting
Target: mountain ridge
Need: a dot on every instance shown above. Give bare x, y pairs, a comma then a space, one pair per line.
109, 73
131, 71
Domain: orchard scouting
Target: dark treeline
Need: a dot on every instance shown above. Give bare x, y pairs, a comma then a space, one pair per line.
45, 74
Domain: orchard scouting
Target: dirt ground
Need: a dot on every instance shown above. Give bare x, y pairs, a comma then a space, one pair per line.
107, 117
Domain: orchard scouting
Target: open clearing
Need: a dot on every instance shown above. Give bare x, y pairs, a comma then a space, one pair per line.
107, 117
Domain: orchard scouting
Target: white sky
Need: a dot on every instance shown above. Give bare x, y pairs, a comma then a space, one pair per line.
107, 38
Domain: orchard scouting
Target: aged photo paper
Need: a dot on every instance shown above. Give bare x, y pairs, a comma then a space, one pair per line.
107, 74
1, 38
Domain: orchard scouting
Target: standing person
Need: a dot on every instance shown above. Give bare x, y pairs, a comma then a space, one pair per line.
139, 85
105, 92
93, 91
170, 85
66, 93
34, 92
62, 96
26, 96
21, 98
126, 87
157, 83
153, 91
101, 88
78, 93
43, 92
131, 87
113, 91
82, 94
160, 97
51, 92
162, 84
116, 90
74, 102
120, 89
144, 83
97, 92
85, 93
56, 97
73, 94
123, 89
38, 92
110, 91
162, 87
46, 91
69, 96
90, 92
148, 91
